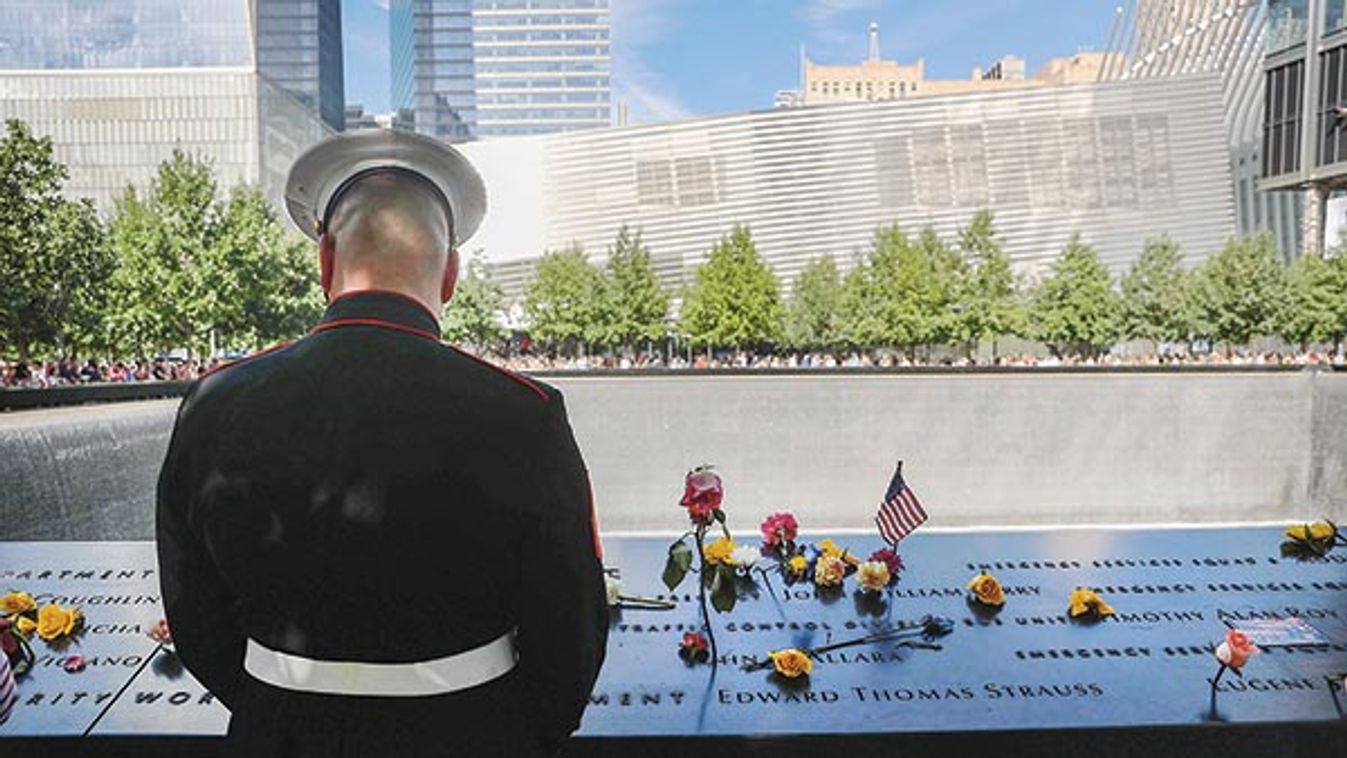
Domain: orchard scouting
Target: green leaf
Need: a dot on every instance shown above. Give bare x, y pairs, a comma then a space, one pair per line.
723, 595
718, 515
676, 567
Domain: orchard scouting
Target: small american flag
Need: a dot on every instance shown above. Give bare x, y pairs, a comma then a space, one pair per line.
900, 513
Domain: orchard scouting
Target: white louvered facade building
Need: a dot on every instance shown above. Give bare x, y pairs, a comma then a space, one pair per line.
1117, 162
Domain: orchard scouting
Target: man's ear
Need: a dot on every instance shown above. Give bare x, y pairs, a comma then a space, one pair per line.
450, 276
327, 252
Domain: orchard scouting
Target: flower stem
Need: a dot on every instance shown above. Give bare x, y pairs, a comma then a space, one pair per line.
1219, 673
701, 595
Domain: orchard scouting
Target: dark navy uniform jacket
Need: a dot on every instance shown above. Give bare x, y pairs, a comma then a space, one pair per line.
370, 494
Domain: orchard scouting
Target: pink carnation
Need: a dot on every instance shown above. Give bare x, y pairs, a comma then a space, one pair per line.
778, 528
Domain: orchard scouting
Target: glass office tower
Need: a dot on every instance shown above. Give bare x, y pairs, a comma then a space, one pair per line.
299, 49
483, 68
119, 84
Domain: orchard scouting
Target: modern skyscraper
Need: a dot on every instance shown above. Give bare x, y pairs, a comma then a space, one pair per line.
484, 68
119, 84
299, 48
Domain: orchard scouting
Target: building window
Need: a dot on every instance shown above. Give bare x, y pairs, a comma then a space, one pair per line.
1281, 122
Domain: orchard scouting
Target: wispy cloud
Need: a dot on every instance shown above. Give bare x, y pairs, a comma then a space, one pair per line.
382, 4
636, 27
824, 11
837, 26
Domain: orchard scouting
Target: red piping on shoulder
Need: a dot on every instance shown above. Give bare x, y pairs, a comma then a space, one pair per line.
390, 293
593, 520
337, 323
518, 378
245, 359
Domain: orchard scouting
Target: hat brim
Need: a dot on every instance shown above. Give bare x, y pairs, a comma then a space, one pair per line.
321, 169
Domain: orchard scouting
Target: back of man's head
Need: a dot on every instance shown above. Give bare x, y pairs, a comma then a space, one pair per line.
389, 231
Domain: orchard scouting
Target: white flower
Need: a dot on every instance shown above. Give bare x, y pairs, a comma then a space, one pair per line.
614, 587
745, 556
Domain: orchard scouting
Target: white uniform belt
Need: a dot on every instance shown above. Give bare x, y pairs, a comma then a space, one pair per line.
436, 677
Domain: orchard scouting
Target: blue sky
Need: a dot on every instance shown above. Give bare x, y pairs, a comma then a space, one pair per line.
678, 58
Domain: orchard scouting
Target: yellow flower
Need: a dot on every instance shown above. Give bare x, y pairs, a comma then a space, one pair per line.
26, 626
830, 548
987, 590
1084, 601
719, 551
873, 575
798, 564
16, 602
1319, 531
54, 622
792, 663
829, 571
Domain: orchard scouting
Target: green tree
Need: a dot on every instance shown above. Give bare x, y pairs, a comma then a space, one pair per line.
1240, 292
1156, 300
638, 309
734, 299
1075, 310
196, 271
163, 238
991, 304
902, 293
54, 261
1317, 311
813, 313
565, 302
936, 288
474, 315
265, 283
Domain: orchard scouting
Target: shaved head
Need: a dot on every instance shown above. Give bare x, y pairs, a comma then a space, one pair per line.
389, 231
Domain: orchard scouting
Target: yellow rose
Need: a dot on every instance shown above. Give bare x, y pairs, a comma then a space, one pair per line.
1083, 601
873, 576
792, 663
987, 590
26, 626
54, 622
829, 571
1319, 531
719, 551
798, 564
16, 602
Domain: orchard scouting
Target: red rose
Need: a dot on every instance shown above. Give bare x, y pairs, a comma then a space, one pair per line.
74, 664
694, 645
7, 643
702, 494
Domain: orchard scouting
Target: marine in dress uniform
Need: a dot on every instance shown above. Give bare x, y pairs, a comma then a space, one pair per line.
371, 543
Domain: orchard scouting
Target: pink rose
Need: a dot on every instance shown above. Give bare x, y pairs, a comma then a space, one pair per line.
890, 559
1236, 650
779, 528
702, 494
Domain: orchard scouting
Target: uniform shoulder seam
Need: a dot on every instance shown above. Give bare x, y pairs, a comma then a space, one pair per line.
245, 359
532, 385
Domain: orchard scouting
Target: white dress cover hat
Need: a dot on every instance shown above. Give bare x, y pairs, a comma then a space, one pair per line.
322, 170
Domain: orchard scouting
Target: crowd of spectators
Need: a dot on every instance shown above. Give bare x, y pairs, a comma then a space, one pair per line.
893, 359
59, 373
56, 373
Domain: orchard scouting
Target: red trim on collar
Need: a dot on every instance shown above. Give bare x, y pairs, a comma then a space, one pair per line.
390, 293
521, 379
336, 323
244, 359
